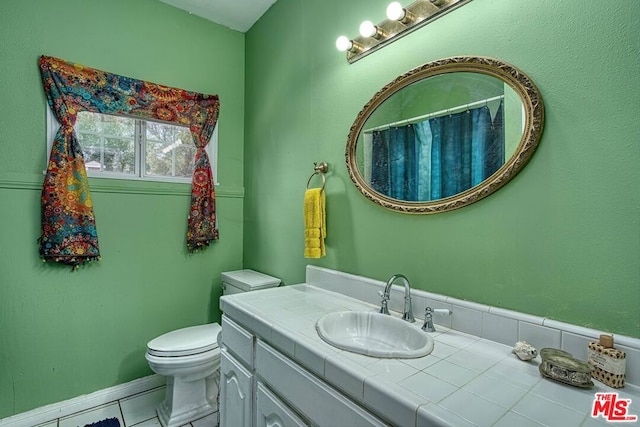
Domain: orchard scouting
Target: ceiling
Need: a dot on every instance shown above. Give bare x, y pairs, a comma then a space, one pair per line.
238, 15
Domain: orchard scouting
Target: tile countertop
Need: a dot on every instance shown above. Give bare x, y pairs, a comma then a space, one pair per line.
465, 381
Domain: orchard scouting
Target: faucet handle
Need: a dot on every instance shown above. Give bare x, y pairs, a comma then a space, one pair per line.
383, 296
427, 326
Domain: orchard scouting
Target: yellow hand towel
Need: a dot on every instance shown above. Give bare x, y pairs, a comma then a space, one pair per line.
315, 229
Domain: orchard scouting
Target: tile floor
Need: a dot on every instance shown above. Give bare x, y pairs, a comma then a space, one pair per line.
138, 410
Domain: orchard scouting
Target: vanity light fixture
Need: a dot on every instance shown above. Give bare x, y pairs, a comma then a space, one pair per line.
401, 21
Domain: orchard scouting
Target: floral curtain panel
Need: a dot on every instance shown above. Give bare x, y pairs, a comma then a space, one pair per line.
68, 223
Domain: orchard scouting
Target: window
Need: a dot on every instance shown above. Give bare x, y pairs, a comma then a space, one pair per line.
129, 148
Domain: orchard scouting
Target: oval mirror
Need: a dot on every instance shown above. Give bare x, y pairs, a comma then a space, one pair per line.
445, 135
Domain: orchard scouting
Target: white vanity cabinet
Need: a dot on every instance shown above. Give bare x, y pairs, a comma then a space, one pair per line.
260, 386
244, 400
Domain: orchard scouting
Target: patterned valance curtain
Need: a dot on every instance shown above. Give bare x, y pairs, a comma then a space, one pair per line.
68, 223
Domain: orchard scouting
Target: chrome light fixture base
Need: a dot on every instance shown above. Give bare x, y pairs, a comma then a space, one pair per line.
421, 12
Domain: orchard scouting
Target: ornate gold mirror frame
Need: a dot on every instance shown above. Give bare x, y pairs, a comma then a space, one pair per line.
532, 130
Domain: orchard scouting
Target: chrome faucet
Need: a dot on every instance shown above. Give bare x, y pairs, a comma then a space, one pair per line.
427, 326
408, 311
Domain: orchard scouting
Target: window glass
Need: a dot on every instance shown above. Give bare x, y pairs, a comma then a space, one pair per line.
129, 148
169, 150
107, 142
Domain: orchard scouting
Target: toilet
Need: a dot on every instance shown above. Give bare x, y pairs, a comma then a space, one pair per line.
190, 358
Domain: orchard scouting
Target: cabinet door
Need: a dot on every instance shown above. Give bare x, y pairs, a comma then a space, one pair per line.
272, 412
236, 400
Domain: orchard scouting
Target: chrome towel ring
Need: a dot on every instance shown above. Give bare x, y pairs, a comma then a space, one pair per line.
319, 169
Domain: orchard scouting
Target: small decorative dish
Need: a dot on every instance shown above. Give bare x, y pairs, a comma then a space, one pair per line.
561, 366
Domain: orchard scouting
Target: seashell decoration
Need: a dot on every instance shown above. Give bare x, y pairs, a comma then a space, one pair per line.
524, 350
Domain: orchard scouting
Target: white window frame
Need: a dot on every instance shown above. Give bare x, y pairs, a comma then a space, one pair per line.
212, 150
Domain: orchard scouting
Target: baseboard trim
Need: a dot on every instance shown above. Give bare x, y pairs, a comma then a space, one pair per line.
81, 403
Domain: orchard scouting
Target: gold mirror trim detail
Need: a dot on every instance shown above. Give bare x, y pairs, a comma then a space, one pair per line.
533, 125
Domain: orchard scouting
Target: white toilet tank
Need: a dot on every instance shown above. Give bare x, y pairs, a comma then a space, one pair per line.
234, 282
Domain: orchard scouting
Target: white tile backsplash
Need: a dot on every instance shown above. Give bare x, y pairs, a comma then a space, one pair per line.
466, 319
510, 314
538, 336
499, 329
575, 344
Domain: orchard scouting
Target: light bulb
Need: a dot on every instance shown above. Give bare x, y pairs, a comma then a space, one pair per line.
395, 11
367, 29
343, 43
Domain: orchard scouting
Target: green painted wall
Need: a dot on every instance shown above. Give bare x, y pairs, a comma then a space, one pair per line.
63, 333
561, 240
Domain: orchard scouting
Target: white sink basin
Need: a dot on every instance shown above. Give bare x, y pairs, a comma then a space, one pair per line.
374, 334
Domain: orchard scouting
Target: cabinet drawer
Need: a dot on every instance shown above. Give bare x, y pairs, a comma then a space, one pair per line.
318, 401
273, 412
237, 340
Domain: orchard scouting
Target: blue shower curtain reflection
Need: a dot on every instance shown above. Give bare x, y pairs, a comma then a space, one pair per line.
438, 158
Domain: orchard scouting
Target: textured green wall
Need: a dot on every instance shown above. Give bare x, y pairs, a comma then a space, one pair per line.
561, 240
63, 333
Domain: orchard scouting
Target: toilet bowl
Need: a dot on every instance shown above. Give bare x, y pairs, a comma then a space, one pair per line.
190, 359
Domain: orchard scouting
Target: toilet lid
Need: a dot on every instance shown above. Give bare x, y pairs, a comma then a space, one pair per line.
185, 341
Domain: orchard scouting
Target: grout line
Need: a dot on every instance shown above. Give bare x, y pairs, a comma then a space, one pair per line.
122, 414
